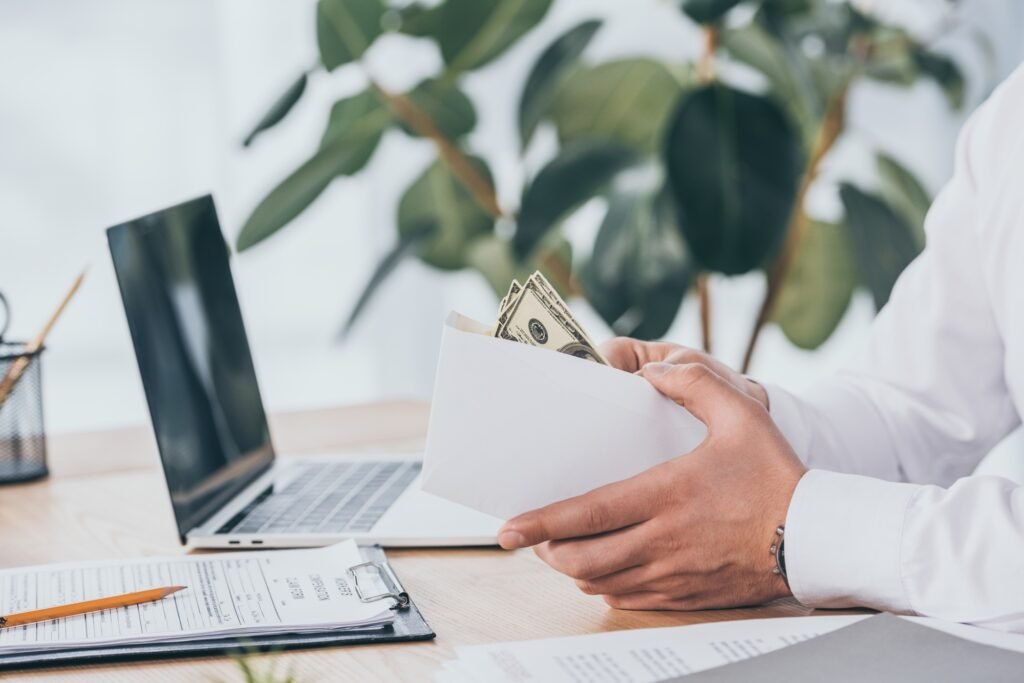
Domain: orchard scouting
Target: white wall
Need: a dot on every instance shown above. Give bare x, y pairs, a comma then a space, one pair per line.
113, 108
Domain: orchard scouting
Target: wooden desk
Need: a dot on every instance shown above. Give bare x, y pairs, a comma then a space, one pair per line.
106, 499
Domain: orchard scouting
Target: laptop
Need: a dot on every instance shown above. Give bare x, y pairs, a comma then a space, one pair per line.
227, 487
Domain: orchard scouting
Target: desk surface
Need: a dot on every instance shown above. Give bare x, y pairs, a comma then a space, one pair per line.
106, 499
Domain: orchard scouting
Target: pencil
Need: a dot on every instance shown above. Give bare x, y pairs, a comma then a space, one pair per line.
19, 366
76, 608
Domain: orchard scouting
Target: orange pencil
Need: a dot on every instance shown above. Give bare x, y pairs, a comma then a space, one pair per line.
76, 608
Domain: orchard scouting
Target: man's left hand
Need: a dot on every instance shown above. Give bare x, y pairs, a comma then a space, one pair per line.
691, 533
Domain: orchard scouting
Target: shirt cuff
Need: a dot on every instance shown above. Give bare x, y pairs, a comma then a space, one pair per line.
787, 413
843, 541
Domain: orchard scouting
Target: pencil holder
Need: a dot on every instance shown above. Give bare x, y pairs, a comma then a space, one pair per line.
22, 437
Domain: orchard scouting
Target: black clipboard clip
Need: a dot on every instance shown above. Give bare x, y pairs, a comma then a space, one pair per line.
383, 574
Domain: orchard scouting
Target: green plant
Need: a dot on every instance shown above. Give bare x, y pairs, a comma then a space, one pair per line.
700, 176
251, 674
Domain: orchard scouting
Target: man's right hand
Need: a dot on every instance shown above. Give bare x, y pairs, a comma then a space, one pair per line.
632, 355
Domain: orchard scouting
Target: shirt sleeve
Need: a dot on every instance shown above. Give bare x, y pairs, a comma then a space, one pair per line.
928, 400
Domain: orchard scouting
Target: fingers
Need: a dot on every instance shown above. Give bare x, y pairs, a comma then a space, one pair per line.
628, 579
631, 354
697, 388
648, 600
608, 508
597, 556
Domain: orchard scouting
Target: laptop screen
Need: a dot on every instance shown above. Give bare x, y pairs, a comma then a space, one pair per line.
193, 355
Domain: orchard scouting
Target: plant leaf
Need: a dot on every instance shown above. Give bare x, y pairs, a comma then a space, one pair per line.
883, 242
574, 176
345, 29
902, 191
437, 199
626, 101
707, 11
819, 287
789, 75
360, 121
296, 192
639, 271
407, 244
448, 108
892, 58
945, 72
734, 165
353, 132
471, 33
280, 108
547, 74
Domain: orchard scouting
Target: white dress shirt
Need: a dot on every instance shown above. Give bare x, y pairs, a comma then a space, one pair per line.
887, 517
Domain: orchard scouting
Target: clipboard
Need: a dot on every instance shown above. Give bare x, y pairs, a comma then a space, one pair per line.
408, 626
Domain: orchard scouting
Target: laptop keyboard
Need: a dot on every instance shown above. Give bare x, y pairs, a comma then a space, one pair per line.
331, 498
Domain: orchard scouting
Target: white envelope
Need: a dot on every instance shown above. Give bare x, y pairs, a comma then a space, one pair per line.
514, 427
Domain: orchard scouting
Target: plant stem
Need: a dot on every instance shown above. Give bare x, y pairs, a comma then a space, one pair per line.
461, 167
706, 74
832, 124
706, 64
704, 297
559, 271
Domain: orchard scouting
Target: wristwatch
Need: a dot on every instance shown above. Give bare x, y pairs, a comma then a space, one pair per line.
778, 549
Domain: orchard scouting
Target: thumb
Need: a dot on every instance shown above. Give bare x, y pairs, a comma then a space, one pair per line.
695, 387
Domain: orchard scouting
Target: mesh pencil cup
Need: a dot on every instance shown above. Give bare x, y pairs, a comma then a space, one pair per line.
22, 437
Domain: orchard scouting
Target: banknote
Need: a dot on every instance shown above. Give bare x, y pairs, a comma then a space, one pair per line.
513, 292
535, 314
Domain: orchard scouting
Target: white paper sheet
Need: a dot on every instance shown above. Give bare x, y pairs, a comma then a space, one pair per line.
240, 593
513, 427
645, 655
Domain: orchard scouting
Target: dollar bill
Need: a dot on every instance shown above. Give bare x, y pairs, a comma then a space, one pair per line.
552, 295
536, 315
513, 294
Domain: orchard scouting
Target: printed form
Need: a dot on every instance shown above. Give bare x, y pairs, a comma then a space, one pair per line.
228, 594
638, 656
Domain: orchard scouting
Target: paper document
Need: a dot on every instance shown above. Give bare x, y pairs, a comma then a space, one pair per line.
228, 594
638, 656
886, 648
659, 654
514, 427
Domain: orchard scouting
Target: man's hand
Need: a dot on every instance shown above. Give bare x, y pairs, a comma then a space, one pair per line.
631, 355
692, 533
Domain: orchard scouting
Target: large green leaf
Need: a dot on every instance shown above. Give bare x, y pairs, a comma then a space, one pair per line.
639, 271
446, 105
353, 132
626, 101
574, 176
789, 74
904, 193
280, 108
819, 287
358, 121
438, 200
471, 33
296, 192
407, 244
734, 164
945, 72
345, 29
883, 242
707, 11
547, 74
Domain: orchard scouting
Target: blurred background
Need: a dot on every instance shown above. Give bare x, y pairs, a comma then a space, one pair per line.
116, 108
